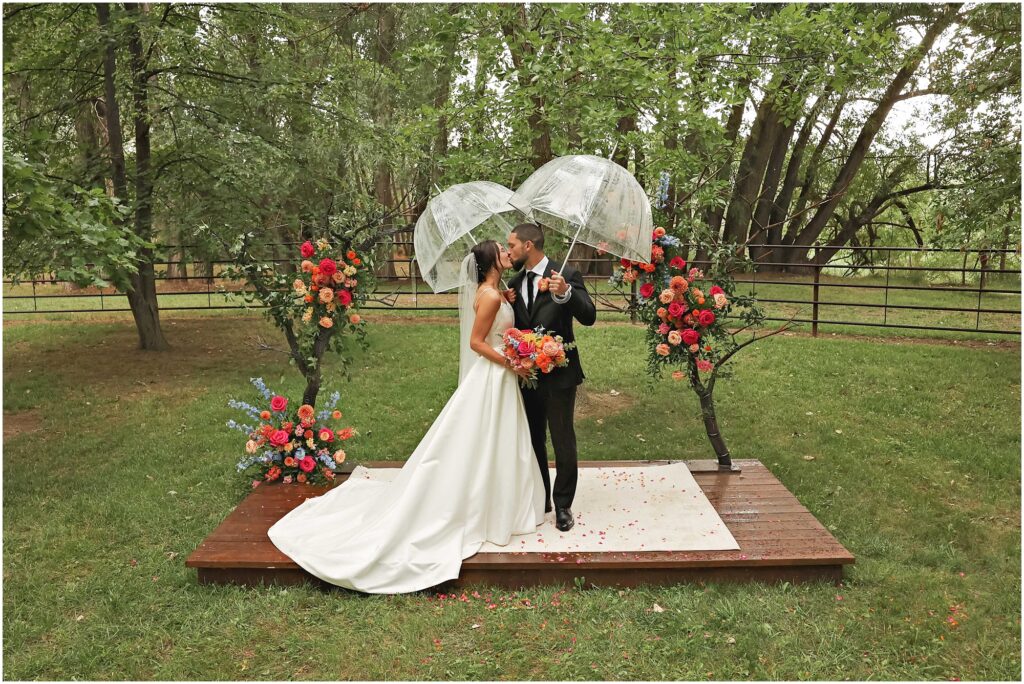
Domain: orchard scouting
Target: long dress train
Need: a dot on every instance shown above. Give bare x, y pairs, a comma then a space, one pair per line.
473, 478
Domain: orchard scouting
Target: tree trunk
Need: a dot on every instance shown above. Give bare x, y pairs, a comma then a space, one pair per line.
810, 177
715, 213
785, 196
849, 170
707, 412
142, 295
750, 173
540, 129
765, 202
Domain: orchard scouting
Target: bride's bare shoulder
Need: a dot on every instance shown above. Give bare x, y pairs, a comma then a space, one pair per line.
487, 297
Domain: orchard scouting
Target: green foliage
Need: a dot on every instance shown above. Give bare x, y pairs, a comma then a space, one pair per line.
79, 235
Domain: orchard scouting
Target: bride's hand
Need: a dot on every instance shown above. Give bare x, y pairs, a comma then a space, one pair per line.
510, 295
524, 373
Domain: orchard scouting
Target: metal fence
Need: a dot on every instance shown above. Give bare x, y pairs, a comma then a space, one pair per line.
909, 288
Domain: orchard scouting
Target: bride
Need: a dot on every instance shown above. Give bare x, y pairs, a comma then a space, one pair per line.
473, 478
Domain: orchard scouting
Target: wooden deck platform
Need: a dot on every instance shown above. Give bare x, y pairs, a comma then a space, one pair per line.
779, 541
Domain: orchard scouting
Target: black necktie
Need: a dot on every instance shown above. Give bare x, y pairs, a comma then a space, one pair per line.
530, 275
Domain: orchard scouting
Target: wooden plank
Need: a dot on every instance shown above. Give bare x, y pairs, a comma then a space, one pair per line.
779, 538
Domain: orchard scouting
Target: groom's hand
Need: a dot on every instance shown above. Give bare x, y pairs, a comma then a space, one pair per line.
557, 284
510, 295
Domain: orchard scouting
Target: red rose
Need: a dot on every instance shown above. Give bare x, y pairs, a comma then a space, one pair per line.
307, 464
690, 336
706, 317
676, 309
307, 249
279, 438
646, 290
278, 403
328, 267
625, 263
716, 290
344, 297
326, 434
677, 263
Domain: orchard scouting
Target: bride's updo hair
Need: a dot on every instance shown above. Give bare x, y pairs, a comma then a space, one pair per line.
486, 254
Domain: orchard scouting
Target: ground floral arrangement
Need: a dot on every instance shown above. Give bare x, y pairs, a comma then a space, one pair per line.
300, 447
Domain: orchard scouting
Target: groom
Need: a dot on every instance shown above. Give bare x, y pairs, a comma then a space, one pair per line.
551, 405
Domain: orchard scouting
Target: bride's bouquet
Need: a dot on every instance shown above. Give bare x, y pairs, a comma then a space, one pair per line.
290, 447
535, 350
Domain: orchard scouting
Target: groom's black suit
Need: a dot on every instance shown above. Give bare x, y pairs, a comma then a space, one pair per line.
552, 404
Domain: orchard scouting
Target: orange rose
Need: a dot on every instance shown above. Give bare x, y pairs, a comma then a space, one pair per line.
354, 319
265, 415
301, 477
350, 255
308, 299
289, 461
336, 414
305, 412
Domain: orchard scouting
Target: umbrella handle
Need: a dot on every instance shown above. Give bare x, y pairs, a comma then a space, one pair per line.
571, 245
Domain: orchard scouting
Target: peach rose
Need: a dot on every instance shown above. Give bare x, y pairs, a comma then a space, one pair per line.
326, 322
678, 375
326, 295
307, 266
629, 275
694, 348
301, 477
339, 456
335, 414
299, 286
354, 319
674, 338
666, 296
663, 349
338, 277
659, 232
250, 447
720, 300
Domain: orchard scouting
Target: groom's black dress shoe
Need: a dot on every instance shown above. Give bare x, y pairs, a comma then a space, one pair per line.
563, 519
547, 506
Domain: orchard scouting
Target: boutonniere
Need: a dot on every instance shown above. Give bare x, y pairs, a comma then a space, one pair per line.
542, 285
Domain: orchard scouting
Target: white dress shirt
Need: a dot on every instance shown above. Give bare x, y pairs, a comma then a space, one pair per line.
541, 269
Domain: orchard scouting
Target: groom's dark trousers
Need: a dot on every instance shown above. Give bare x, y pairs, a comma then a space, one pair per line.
552, 404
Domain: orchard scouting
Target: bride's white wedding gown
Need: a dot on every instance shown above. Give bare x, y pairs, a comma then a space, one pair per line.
473, 478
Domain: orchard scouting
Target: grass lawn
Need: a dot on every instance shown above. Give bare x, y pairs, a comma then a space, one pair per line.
117, 464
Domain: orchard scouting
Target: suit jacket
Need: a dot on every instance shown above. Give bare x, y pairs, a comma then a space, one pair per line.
557, 319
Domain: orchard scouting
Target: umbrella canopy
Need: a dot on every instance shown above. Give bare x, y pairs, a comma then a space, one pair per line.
593, 200
455, 220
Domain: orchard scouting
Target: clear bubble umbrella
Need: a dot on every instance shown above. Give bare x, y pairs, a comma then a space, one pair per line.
593, 200
455, 220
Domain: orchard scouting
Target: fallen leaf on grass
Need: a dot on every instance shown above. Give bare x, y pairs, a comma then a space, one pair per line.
808, 458
658, 609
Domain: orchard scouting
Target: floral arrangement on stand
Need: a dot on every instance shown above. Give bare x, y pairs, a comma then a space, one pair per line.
535, 350
299, 447
693, 320
315, 303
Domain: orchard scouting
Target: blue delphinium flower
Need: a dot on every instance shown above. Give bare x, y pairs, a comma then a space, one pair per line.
261, 387
248, 408
238, 426
663, 181
300, 452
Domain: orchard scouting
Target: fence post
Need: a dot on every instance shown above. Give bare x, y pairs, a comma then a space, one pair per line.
814, 297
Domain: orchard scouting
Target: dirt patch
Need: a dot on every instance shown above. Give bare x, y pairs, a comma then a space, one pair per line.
591, 404
114, 367
21, 423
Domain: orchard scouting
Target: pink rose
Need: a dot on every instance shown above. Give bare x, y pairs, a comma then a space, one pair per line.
328, 267
706, 317
716, 290
676, 309
704, 366
694, 348
307, 249
307, 464
278, 403
526, 348
690, 337
663, 329
550, 348
326, 435
344, 297
646, 290
514, 334
279, 438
